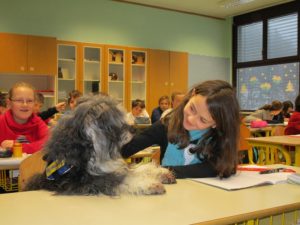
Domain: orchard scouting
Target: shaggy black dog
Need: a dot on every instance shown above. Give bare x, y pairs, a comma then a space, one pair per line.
83, 155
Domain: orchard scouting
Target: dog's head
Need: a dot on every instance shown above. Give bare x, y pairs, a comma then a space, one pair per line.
90, 137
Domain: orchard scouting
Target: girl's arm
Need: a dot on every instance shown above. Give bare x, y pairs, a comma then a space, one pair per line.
153, 135
199, 170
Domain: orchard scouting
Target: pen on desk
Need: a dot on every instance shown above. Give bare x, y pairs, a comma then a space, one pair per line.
276, 170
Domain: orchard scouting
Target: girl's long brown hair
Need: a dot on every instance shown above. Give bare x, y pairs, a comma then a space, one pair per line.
218, 145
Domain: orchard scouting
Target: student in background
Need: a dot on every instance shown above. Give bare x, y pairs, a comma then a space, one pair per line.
293, 126
19, 123
137, 111
266, 113
47, 114
199, 138
163, 104
284, 115
3, 105
176, 99
72, 100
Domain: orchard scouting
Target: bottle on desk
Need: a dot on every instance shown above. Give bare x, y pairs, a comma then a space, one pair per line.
17, 150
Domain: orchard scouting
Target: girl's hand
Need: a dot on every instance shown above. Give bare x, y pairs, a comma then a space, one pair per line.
7, 144
60, 106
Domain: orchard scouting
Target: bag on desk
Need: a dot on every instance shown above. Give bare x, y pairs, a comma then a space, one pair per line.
258, 124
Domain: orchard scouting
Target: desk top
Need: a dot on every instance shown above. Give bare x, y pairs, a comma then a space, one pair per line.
11, 163
292, 140
186, 202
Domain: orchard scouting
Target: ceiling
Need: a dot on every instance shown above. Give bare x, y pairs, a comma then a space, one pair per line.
211, 8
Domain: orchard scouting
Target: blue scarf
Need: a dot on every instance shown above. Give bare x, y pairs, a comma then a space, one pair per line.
174, 156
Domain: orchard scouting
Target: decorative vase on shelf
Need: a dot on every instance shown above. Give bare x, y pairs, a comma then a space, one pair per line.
113, 76
59, 73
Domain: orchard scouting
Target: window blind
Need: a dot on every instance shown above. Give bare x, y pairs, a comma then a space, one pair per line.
250, 42
282, 36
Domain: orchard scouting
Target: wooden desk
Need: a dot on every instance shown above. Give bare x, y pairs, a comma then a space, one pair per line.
279, 142
9, 171
186, 202
11, 163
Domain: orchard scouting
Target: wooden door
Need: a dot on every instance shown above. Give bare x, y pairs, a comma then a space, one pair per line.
158, 77
178, 72
13, 50
42, 54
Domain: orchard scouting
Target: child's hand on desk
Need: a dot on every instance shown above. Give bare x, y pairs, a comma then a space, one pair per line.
7, 144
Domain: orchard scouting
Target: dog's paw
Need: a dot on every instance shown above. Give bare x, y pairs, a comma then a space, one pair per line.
167, 177
155, 189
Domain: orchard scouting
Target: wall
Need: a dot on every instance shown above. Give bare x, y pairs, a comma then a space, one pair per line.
109, 22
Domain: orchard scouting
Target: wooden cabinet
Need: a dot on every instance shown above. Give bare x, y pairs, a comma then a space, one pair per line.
168, 72
125, 73
116, 73
25, 54
41, 55
137, 75
67, 72
92, 69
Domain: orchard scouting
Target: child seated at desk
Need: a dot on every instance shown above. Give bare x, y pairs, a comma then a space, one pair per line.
138, 114
266, 113
293, 126
47, 114
19, 122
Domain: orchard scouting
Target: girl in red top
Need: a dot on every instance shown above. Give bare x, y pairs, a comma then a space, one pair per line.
19, 123
293, 126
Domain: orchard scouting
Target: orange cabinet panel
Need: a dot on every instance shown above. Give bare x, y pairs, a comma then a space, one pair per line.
24, 54
168, 72
41, 55
13, 53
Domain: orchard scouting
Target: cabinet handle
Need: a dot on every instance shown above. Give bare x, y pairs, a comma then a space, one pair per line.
166, 83
172, 84
22, 68
31, 68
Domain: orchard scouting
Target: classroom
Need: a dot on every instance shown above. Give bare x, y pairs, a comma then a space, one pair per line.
99, 74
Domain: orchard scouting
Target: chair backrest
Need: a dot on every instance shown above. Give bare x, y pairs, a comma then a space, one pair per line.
278, 130
31, 165
244, 133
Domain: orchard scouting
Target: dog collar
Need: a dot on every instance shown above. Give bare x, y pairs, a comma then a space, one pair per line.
57, 168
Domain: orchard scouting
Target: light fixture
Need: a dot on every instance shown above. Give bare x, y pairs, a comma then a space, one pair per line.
233, 3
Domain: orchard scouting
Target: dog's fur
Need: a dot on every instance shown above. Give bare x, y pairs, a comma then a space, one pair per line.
90, 139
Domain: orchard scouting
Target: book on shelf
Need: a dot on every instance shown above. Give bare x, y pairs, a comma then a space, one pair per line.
246, 177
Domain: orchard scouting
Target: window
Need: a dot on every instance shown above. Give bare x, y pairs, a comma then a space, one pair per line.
250, 42
282, 36
266, 55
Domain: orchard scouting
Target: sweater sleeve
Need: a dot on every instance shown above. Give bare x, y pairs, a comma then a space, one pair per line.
259, 114
199, 170
41, 137
48, 113
153, 135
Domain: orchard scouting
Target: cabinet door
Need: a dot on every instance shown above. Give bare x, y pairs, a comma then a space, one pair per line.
67, 70
137, 75
41, 55
13, 51
158, 79
92, 69
116, 75
178, 72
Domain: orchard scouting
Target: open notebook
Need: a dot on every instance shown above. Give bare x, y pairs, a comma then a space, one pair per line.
245, 179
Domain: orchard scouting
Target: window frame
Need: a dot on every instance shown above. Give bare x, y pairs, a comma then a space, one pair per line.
263, 15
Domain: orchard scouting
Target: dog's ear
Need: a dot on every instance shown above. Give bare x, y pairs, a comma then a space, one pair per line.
68, 140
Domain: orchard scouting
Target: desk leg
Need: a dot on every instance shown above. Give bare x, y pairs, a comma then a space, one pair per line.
297, 155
